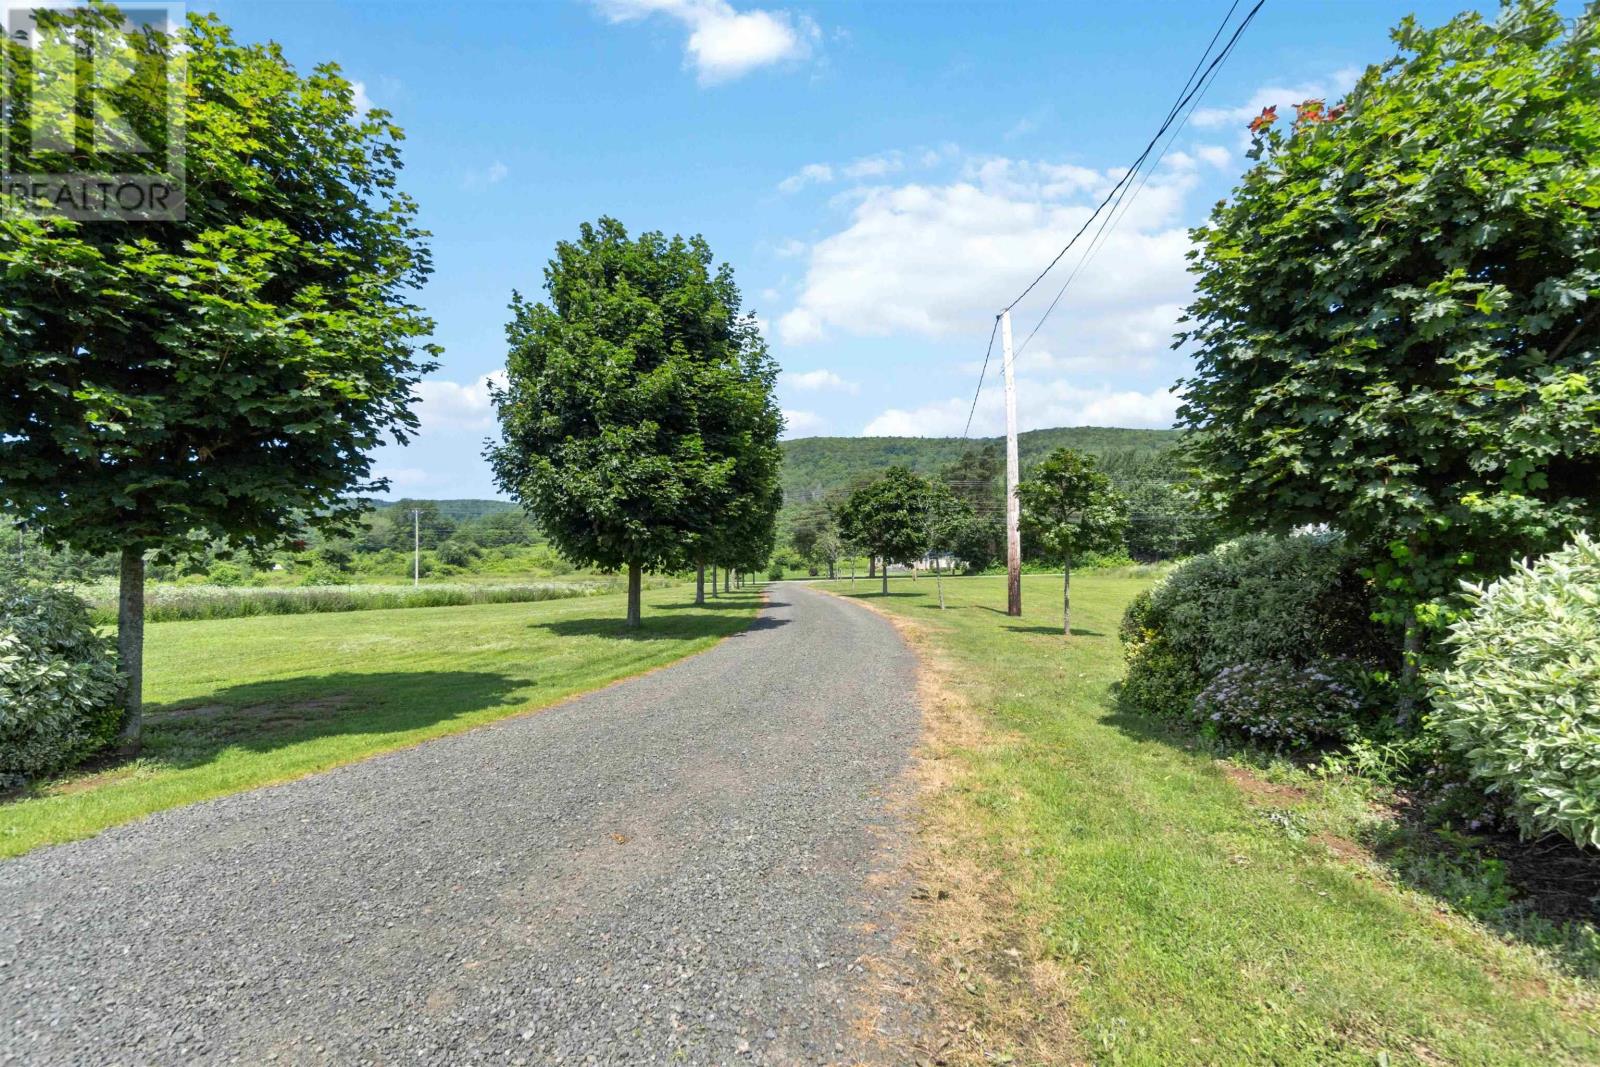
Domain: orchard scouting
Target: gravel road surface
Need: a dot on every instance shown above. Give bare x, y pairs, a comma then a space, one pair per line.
683, 868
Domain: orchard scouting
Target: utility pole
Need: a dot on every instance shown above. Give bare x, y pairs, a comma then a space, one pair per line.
416, 547
1013, 506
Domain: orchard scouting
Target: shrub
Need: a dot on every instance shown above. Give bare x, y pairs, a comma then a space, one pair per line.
1280, 705
225, 573
1521, 700
455, 553
59, 686
1261, 599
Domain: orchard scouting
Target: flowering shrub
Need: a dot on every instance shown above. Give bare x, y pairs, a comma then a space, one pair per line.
1280, 705
1260, 599
59, 686
1521, 700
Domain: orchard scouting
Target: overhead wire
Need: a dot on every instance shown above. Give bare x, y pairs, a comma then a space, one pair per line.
1188, 96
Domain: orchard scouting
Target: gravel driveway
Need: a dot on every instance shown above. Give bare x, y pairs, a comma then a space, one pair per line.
676, 869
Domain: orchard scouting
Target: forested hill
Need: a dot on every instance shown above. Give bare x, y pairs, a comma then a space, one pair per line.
816, 466
813, 467
458, 510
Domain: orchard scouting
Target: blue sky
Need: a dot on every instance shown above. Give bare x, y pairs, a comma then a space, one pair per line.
882, 177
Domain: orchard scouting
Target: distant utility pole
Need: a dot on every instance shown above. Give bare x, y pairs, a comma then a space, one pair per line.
1013, 506
416, 547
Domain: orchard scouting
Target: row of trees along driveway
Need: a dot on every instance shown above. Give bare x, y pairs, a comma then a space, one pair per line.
638, 420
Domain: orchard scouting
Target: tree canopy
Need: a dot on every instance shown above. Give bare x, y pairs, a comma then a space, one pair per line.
888, 517
222, 378
1069, 507
638, 422
1394, 324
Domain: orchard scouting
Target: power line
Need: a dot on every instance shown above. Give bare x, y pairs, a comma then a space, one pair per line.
1191, 91
986, 353
1119, 210
1139, 162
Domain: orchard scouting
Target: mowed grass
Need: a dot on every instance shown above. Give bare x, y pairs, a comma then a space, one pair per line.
239, 703
1188, 917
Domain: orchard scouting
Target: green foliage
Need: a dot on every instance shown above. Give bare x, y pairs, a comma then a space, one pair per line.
402, 530
223, 378
1165, 520
1069, 507
59, 686
888, 517
461, 511
817, 468
1521, 699
225, 574
1394, 324
456, 553
638, 420
1296, 601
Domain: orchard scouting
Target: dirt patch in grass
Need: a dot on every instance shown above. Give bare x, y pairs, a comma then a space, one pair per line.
979, 973
1259, 790
1344, 848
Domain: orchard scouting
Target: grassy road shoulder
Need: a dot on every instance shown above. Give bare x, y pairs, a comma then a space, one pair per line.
1155, 911
240, 703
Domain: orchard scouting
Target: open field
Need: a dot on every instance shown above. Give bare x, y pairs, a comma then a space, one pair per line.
239, 703
1138, 901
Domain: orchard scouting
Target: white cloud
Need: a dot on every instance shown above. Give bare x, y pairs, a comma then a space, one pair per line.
1215, 155
1331, 88
443, 404
878, 166
819, 379
724, 43
810, 174
938, 260
363, 102
493, 174
798, 422
799, 327
403, 478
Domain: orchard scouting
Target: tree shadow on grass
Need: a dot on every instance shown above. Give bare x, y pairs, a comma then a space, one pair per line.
268, 715
656, 626
1054, 631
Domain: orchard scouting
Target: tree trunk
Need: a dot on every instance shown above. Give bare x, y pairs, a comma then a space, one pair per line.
635, 583
1411, 657
872, 566
885, 575
1066, 598
714, 580
130, 648
831, 575
700, 583
938, 579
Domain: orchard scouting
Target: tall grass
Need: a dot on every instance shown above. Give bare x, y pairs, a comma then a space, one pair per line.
182, 603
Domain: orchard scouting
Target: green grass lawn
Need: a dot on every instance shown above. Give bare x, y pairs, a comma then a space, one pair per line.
1192, 919
238, 703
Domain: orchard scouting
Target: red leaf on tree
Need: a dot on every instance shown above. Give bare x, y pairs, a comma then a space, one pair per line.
1309, 113
1268, 116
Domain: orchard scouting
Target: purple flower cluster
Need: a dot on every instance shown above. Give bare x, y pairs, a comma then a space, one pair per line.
1279, 705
